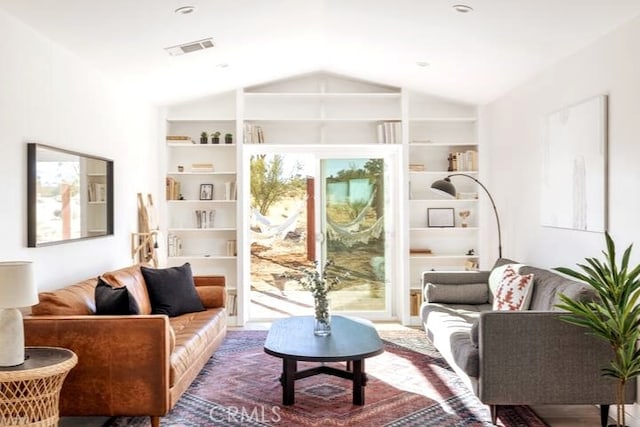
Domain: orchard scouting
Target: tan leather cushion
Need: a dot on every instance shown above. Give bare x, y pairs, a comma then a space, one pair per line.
211, 296
131, 277
77, 299
211, 290
193, 331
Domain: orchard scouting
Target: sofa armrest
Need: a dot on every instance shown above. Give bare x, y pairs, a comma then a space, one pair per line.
123, 362
533, 357
211, 290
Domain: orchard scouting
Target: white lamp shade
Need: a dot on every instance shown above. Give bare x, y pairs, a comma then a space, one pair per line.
17, 284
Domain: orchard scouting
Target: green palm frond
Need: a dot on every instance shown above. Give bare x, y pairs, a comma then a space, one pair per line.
615, 315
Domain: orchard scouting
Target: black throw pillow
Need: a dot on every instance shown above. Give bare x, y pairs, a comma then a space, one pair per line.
171, 290
110, 300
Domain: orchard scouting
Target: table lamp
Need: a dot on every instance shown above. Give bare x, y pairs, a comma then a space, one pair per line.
17, 289
446, 188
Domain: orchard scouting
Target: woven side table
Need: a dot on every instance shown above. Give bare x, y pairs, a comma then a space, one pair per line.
29, 393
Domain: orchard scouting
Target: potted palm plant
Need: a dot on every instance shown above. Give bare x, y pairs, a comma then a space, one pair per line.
614, 317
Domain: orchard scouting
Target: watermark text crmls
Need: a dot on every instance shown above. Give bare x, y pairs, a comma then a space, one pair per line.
240, 414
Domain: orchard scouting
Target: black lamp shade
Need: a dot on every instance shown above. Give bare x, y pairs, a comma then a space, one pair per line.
444, 187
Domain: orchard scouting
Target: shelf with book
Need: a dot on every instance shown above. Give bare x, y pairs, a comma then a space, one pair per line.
441, 140
200, 200
319, 108
358, 131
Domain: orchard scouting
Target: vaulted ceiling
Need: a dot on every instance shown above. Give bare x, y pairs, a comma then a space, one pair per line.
472, 57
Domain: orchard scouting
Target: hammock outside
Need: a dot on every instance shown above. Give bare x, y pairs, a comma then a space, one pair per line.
349, 238
269, 231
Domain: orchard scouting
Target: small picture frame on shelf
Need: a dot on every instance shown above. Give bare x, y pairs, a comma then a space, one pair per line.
206, 191
440, 217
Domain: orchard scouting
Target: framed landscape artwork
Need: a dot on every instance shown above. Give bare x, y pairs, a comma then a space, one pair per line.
574, 177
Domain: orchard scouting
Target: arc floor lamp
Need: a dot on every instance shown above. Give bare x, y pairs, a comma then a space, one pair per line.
446, 187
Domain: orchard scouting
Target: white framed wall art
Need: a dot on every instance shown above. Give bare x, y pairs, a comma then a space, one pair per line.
574, 177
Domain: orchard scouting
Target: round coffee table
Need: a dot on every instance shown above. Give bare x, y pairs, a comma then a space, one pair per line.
351, 340
29, 393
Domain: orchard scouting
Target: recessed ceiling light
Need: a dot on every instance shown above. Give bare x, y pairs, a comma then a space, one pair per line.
185, 10
422, 64
222, 65
462, 8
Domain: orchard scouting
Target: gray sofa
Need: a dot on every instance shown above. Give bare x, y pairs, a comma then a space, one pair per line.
527, 357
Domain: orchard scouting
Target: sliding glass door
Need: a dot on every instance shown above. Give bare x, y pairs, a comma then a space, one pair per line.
354, 231
309, 204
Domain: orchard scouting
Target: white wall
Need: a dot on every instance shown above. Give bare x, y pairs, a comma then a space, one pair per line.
48, 95
511, 137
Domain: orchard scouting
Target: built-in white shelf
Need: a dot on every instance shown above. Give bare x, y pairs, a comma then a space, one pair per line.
422, 144
445, 201
201, 257
207, 202
442, 172
444, 229
425, 256
320, 120
193, 229
198, 145
442, 119
202, 173
323, 95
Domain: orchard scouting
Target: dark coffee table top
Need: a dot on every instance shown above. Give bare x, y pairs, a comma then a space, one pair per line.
351, 339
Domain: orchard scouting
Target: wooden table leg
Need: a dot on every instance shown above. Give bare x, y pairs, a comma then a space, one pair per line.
288, 380
358, 382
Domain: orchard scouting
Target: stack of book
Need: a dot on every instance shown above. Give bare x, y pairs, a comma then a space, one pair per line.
231, 304
172, 189
230, 192
231, 248
180, 138
390, 133
416, 301
201, 167
463, 161
416, 167
174, 245
204, 218
253, 134
97, 192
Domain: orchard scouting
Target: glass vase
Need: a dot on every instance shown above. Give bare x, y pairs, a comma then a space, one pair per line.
322, 324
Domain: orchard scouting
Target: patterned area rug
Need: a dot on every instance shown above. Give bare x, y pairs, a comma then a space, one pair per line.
409, 385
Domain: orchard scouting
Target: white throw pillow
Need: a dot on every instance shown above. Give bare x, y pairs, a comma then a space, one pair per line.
496, 276
514, 292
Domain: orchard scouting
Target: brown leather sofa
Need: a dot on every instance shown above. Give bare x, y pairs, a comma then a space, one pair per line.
135, 365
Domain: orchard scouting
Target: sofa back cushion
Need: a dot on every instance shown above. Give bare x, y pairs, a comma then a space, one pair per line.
77, 299
172, 290
211, 290
547, 287
132, 278
114, 300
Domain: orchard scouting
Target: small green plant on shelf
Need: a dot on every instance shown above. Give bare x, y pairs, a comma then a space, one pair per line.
203, 138
228, 138
215, 138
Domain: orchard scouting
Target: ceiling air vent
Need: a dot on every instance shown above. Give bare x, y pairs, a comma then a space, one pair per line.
181, 49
